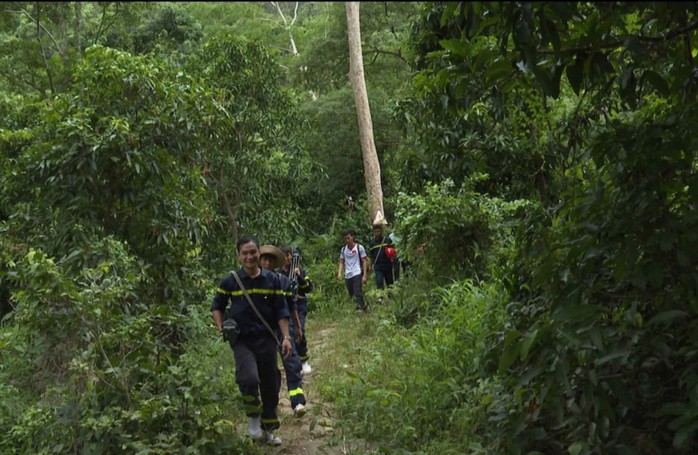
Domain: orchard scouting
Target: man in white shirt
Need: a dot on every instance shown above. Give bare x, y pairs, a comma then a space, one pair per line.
353, 266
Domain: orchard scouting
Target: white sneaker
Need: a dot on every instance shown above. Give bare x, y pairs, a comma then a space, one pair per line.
272, 440
300, 410
254, 427
306, 368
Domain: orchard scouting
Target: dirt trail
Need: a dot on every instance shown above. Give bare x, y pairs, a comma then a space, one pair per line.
315, 432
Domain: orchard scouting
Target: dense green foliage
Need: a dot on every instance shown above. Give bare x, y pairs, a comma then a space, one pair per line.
539, 169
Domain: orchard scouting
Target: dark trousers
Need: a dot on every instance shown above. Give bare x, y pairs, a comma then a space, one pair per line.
356, 290
258, 377
292, 367
302, 346
384, 275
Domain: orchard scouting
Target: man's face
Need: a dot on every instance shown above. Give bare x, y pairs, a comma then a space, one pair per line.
377, 232
265, 262
249, 255
349, 239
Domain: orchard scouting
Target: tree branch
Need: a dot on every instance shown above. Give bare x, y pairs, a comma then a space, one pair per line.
618, 43
375, 52
278, 9
38, 24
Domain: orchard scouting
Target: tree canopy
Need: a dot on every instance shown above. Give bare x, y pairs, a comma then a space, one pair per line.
539, 171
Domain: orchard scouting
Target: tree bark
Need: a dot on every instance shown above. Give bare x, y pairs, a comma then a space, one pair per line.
372, 170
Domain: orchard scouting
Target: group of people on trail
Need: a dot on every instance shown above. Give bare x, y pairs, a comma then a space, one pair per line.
355, 263
261, 311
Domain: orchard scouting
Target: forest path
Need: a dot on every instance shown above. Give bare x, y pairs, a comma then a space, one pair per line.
314, 433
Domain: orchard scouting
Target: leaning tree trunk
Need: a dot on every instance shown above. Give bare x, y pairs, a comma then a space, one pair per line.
372, 169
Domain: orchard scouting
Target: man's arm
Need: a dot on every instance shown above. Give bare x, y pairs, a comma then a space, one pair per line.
364, 265
218, 318
340, 269
305, 283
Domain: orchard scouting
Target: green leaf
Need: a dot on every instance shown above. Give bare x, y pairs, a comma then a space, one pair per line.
498, 70
549, 83
667, 316
578, 448
527, 343
455, 46
510, 352
655, 80
575, 74
601, 64
576, 312
684, 435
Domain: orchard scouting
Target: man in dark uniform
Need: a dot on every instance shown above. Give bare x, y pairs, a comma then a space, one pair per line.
271, 258
256, 346
381, 262
304, 286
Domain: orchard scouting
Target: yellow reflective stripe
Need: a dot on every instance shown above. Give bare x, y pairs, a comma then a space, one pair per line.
259, 291
294, 392
270, 421
252, 291
250, 404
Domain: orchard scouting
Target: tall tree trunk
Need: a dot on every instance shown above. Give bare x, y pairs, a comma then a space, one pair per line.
372, 169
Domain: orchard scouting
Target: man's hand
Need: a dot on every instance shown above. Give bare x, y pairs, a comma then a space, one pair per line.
286, 348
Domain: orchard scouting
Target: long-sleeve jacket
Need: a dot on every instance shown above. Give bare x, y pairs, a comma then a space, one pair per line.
305, 284
266, 292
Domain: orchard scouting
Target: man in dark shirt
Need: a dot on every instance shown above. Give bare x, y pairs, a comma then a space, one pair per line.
271, 258
255, 348
381, 262
304, 286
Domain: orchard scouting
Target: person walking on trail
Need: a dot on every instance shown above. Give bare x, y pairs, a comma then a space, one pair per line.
381, 251
270, 258
258, 310
352, 265
304, 286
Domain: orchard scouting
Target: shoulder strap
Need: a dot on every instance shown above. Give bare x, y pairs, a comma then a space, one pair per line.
254, 307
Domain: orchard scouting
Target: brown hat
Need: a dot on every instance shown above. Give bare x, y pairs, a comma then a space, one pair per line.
278, 258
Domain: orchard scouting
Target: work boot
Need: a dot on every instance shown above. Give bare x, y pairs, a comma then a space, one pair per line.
306, 368
300, 410
254, 428
272, 439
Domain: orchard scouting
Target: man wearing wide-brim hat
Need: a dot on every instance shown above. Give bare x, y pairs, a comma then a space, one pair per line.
270, 258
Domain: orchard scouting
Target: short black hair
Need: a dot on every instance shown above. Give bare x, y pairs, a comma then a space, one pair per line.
350, 232
247, 239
